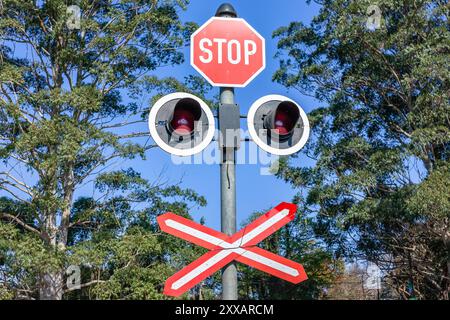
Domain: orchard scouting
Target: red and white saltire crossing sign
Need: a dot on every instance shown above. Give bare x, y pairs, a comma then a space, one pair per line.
225, 249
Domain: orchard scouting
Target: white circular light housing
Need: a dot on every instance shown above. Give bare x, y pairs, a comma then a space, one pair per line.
153, 123
263, 145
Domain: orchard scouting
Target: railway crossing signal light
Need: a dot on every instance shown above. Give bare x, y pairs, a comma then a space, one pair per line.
181, 124
278, 125
229, 53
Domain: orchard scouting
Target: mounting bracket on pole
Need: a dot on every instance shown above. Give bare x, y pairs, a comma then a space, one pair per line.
230, 126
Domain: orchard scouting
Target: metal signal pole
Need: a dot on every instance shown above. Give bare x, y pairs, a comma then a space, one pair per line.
177, 112
227, 119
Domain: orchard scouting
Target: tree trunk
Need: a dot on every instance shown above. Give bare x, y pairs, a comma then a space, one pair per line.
68, 182
52, 283
51, 286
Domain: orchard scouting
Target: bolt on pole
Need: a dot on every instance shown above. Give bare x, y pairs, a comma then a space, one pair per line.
228, 181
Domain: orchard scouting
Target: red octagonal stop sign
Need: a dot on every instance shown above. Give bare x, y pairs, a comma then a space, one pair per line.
228, 52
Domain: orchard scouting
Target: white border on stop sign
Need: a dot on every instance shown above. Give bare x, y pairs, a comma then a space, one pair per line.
228, 84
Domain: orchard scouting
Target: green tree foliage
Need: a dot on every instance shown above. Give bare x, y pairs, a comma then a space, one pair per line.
70, 103
380, 184
295, 242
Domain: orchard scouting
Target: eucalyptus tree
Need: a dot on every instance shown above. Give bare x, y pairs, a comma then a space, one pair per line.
73, 103
381, 137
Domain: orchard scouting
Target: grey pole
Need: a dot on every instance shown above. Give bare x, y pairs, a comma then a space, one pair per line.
228, 204
228, 184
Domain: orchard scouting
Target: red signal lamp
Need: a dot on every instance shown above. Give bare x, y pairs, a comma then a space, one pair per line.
186, 113
283, 119
183, 122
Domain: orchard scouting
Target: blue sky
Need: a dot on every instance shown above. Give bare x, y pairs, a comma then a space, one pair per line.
254, 191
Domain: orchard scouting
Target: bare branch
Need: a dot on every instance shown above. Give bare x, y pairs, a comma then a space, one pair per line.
20, 222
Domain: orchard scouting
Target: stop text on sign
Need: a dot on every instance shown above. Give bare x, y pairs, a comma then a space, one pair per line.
228, 52
235, 51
